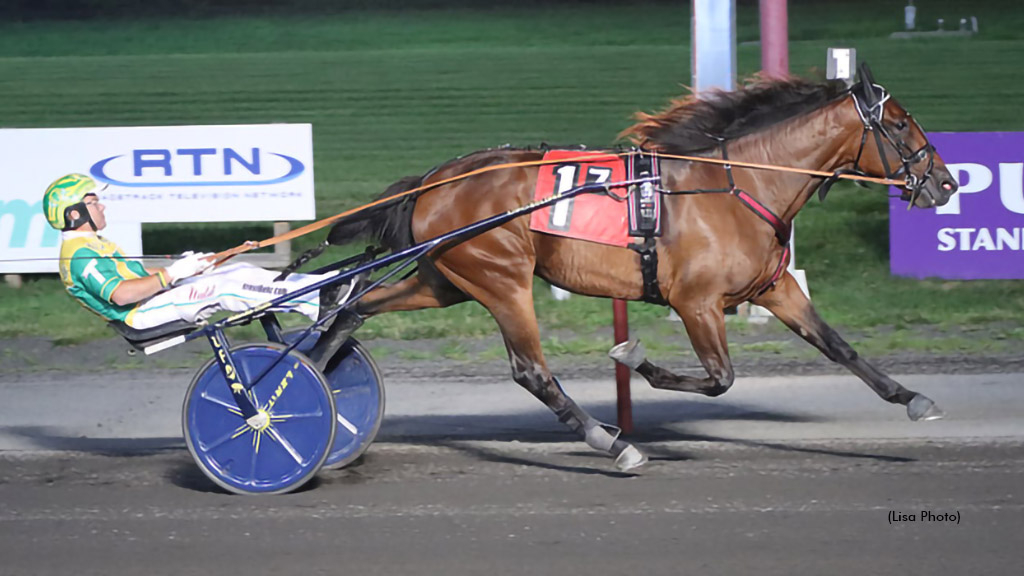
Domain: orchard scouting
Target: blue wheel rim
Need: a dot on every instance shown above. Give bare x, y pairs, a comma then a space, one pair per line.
358, 398
278, 458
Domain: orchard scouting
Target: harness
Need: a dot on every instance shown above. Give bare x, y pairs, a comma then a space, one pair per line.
645, 220
648, 222
645, 207
870, 106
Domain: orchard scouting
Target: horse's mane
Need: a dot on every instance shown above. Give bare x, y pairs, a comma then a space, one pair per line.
691, 124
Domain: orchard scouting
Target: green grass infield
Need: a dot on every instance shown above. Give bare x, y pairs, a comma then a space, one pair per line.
397, 92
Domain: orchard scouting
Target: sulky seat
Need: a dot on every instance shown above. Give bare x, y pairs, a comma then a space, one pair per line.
139, 339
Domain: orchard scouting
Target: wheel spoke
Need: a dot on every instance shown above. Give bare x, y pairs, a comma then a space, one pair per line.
255, 453
348, 425
210, 446
297, 415
256, 438
362, 389
229, 405
276, 435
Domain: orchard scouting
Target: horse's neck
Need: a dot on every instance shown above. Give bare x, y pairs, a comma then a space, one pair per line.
818, 140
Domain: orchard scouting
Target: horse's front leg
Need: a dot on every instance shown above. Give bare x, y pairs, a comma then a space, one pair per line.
705, 325
789, 305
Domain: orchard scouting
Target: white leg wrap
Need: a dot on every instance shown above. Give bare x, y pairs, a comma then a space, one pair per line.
601, 436
630, 353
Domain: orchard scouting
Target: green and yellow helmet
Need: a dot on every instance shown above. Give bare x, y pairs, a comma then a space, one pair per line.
65, 193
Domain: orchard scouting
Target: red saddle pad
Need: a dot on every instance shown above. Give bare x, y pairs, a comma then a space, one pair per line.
592, 217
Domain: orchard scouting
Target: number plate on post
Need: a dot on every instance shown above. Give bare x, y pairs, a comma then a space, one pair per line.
842, 64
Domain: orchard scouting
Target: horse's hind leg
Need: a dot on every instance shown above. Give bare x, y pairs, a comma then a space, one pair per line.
789, 304
705, 325
414, 293
510, 301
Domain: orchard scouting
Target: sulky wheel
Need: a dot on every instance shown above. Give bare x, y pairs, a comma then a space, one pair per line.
283, 453
358, 391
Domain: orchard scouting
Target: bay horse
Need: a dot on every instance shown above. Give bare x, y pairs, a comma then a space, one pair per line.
717, 250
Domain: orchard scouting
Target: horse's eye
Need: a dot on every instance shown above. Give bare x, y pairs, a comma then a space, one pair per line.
901, 125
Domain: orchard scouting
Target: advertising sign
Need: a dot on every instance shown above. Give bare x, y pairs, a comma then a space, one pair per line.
153, 174
979, 234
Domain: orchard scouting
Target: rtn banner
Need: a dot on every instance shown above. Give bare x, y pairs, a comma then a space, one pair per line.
979, 234
153, 174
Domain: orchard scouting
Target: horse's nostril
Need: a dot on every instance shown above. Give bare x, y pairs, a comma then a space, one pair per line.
949, 186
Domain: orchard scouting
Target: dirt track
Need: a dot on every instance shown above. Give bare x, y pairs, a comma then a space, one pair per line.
786, 475
719, 508
33, 355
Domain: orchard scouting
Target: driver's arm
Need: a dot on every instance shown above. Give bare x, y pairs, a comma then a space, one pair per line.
138, 289
99, 275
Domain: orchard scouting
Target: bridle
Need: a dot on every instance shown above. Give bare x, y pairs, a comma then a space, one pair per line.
871, 109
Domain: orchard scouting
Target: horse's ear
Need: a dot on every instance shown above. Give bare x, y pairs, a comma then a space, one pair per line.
867, 84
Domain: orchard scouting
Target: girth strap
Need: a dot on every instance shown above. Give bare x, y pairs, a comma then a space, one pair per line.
649, 270
644, 220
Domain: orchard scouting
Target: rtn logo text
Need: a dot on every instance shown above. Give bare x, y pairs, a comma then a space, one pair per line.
200, 166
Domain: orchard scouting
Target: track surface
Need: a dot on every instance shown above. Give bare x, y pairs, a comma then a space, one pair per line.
779, 476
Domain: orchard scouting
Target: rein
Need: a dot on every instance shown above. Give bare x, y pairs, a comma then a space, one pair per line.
776, 168
222, 257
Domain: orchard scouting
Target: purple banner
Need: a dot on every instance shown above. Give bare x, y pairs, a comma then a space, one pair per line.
980, 232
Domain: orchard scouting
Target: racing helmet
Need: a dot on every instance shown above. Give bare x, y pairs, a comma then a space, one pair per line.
67, 193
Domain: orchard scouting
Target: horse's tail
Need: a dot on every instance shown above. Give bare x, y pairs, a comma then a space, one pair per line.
389, 224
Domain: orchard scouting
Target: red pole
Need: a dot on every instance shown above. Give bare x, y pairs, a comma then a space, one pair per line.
774, 38
775, 55
624, 403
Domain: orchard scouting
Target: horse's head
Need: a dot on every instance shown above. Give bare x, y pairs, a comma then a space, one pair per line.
900, 148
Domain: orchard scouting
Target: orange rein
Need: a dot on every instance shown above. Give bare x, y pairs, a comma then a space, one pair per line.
222, 257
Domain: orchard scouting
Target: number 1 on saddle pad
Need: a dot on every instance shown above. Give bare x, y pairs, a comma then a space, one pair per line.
592, 217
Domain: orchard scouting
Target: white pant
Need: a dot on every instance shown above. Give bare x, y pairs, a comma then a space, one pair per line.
235, 287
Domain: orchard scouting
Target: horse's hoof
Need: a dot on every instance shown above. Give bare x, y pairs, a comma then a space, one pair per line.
922, 408
630, 458
631, 353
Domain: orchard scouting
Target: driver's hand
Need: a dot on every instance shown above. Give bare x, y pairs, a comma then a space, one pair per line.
189, 265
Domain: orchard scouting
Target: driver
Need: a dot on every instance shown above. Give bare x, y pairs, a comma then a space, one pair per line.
98, 275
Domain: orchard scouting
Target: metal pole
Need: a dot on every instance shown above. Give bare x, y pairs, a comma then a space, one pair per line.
624, 402
713, 43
